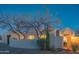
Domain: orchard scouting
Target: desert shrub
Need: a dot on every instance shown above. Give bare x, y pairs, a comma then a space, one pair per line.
74, 47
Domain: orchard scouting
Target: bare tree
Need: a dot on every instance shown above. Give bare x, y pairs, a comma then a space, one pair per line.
7, 21
21, 24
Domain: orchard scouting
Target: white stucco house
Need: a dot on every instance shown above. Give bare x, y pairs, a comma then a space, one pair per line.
55, 41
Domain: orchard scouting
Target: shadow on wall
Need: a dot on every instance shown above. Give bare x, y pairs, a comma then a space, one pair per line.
28, 44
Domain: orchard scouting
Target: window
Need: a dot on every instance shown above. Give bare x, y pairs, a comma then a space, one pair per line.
57, 33
0, 37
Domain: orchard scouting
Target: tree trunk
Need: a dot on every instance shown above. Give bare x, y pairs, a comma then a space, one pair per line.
8, 39
47, 38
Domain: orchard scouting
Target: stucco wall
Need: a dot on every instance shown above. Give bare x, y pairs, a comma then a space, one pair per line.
4, 39
56, 41
29, 44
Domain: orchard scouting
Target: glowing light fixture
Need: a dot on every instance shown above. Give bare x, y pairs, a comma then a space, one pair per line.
31, 37
43, 36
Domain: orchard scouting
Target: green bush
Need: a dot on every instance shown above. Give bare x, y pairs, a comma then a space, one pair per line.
41, 43
74, 47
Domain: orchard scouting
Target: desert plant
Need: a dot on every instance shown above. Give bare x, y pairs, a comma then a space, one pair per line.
74, 47
41, 43
47, 39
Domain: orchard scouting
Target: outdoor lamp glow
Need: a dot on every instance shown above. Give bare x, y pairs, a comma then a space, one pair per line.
31, 36
43, 36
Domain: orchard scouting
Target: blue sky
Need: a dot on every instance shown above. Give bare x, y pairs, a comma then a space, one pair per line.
69, 14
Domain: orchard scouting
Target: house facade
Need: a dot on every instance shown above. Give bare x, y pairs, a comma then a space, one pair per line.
30, 41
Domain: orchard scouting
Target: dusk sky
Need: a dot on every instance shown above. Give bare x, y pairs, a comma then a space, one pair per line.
69, 14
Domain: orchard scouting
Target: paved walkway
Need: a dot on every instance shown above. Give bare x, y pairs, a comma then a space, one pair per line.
5, 49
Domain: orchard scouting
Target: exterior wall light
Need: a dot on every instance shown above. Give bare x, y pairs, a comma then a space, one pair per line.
31, 37
43, 36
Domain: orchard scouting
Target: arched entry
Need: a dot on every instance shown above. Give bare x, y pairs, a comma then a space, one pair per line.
67, 34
